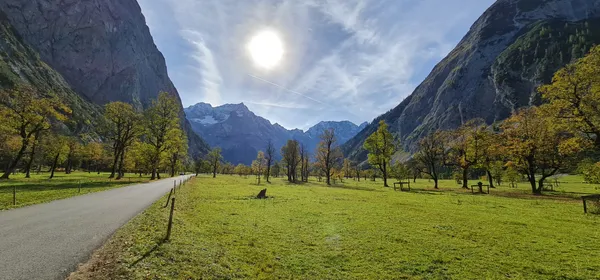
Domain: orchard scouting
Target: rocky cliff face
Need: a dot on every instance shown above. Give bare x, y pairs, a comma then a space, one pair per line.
19, 63
514, 47
241, 134
102, 48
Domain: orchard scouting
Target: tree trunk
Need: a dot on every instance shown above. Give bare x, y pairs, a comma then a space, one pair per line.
384, 173
173, 164
153, 176
16, 160
532, 181
31, 157
214, 171
435, 183
465, 176
120, 172
114, 165
54, 163
541, 185
490, 179
68, 166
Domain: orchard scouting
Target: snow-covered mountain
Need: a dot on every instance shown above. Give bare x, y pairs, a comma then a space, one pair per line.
241, 134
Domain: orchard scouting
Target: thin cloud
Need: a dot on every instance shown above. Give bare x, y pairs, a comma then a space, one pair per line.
344, 59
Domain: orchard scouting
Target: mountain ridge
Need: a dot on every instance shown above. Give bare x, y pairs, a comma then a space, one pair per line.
241, 133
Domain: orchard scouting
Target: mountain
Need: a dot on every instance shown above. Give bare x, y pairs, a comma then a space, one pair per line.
102, 48
241, 134
20, 63
514, 47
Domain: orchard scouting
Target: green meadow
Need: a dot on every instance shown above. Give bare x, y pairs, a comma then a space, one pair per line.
40, 189
356, 230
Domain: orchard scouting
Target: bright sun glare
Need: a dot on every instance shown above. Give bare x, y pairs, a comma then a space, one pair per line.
266, 49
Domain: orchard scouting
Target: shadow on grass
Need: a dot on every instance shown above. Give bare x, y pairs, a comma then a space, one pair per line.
518, 193
149, 252
356, 188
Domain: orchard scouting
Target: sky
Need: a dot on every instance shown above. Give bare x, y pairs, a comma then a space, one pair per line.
342, 59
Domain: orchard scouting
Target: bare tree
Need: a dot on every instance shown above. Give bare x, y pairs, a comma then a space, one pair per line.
269, 157
304, 162
430, 155
214, 158
291, 157
328, 153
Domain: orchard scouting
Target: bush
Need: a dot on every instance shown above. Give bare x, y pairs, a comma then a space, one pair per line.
591, 173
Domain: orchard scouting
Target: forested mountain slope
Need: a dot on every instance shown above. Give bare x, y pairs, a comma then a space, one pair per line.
514, 47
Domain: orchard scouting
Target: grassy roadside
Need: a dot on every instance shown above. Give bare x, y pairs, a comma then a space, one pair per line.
353, 231
39, 189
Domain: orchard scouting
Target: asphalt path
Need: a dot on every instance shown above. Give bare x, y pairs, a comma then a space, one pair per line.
48, 241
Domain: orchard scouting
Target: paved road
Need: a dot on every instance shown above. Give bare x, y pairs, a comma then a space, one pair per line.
48, 241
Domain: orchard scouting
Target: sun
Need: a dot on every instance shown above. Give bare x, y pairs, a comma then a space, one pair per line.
266, 49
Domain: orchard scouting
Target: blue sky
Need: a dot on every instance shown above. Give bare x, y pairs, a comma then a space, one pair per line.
343, 59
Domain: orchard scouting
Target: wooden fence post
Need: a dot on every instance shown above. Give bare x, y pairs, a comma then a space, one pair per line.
170, 219
584, 206
14, 195
168, 198
79, 186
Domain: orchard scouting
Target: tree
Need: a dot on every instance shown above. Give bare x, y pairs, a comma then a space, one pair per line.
73, 152
32, 153
239, 169
276, 169
491, 156
177, 149
413, 166
574, 96
121, 128
357, 170
93, 154
304, 162
202, 166
258, 165
328, 153
160, 120
347, 166
591, 173
214, 159
381, 146
430, 155
465, 147
56, 149
25, 112
143, 154
537, 146
511, 174
291, 158
400, 171
269, 159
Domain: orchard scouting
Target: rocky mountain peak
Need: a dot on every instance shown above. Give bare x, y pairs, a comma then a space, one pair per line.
241, 133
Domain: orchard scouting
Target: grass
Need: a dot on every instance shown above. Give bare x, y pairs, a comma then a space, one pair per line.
40, 189
355, 231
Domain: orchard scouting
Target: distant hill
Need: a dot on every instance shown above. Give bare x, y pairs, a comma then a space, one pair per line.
241, 134
514, 47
